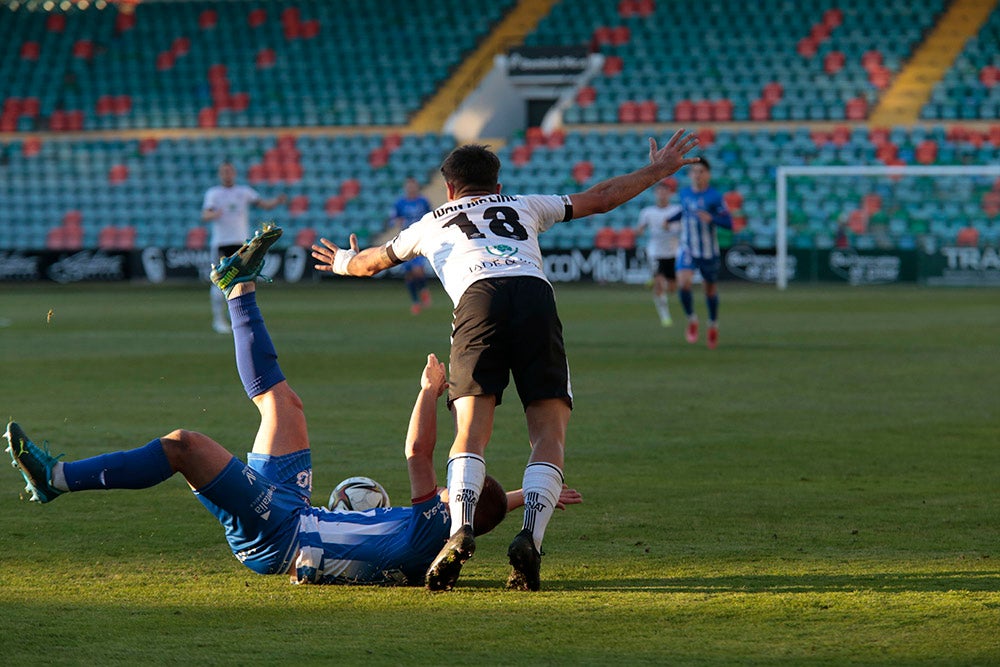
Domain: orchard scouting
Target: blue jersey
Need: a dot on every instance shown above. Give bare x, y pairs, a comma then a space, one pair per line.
411, 210
272, 529
379, 546
698, 238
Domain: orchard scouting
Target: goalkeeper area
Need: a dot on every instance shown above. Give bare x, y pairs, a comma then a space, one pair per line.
941, 220
821, 489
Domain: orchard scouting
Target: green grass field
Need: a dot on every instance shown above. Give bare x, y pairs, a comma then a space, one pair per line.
822, 489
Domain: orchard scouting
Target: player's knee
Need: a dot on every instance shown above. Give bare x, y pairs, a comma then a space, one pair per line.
180, 443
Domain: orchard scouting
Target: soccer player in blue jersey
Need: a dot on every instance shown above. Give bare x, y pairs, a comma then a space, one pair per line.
704, 211
408, 209
264, 504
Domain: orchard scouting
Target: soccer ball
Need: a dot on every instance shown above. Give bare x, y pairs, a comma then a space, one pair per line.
357, 494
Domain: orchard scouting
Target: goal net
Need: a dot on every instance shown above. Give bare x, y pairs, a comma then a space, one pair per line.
883, 208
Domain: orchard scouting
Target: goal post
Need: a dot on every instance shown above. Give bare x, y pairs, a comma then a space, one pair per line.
783, 173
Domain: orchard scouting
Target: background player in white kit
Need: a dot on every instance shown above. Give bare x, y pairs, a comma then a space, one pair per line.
484, 247
226, 206
663, 220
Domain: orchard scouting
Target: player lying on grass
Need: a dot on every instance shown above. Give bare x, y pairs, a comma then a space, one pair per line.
264, 505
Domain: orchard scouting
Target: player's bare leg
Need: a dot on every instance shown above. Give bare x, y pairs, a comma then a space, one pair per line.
466, 475
712, 299
543, 481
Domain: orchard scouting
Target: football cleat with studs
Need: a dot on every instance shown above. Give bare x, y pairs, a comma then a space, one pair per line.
246, 263
33, 462
444, 571
525, 562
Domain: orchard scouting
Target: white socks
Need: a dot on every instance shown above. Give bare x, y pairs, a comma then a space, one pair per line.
542, 485
59, 477
661, 307
219, 309
466, 476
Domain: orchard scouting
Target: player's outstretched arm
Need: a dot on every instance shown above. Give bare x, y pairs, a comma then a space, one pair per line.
613, 192
273, 202
567, 496
352, 262
421, 435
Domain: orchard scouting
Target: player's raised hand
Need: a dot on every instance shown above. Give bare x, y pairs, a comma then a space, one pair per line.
434, 376
672, 156
327, 253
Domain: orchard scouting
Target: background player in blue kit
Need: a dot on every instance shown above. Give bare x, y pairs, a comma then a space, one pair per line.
408, 209
264, 505
704, 211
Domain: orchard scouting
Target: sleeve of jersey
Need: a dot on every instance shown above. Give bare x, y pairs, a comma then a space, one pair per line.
252, 195
549, 209
720, 214
209, 201
406, 245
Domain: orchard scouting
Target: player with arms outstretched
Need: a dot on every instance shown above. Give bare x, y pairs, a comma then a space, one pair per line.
704, 211
483, 245
264, 504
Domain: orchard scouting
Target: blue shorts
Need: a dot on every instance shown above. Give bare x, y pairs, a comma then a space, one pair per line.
418, 263
259, 505
708, 266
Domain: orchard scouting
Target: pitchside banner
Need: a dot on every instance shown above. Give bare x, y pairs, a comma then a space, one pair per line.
944, 266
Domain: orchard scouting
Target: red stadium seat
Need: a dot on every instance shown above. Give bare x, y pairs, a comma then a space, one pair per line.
628, 112
392, 141
706, 137
613, 65
806, 47
647, 111
266, 58
118, 174
871, 204
521, 155
309, 29
989, 76
733, 200
533, 136
55, 239
601, 37
73, 238
856, 108
773, 92
703, 111
833, 62
207, 117
107, 238
722, 110
605, 238
125, 239
967, 236
55, 22
83, 49
257, 18
582, 171
556, 138
832, 18
208, 19
31, 147
124, 22
164, 61
305, 237
760, 110
335, 205
72, 219
181, 46
586, 96
298, 205
684, 111
625, 238
841, 135
30, 51
378, 158
196, 238
620, 35
147, 145
350, 188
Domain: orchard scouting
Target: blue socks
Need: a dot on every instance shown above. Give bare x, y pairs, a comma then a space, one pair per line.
133, 469
686, 303
256, 359
713, 307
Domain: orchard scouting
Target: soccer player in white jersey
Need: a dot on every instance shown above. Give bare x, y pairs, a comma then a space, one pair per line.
264, 504
704, 211
483, 245
226, 206
662, 220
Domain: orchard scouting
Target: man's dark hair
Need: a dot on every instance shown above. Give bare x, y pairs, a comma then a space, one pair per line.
491, 508
473, 166
704, 162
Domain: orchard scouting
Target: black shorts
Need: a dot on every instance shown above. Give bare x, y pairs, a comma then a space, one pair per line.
666, 267
225, 251
505, 326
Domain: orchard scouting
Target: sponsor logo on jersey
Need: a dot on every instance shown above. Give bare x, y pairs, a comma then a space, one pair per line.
501, 250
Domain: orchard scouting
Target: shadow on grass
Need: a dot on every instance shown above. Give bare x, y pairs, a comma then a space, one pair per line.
892, 582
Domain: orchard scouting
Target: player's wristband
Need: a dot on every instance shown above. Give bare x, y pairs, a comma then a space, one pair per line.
341, 259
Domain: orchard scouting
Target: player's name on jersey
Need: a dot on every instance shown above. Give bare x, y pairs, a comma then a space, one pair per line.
488, 199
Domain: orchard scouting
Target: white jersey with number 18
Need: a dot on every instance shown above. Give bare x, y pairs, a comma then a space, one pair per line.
479, 237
